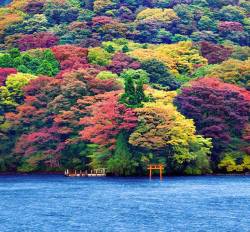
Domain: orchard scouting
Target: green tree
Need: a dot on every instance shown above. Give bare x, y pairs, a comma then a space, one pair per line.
6, 61
136, 75
99, 56
12, 93
45, 68
22, 68
122, 163
200, 148
125, 49
129, 97
207, 24
106, 75
232, 13
235, 162
110, 49
35, 62
158, 74
134, 92
14, 52
139, 92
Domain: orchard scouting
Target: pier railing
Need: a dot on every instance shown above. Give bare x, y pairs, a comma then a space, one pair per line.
93, 173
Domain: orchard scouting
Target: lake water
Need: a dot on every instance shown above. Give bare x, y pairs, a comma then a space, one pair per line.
4, 2
56, 203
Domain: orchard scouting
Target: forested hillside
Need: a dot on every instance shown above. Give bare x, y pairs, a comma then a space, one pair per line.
121, 84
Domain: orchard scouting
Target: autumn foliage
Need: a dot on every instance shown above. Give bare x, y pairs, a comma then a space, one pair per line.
88, 84
220, 110
107, 119
70, 57
215, 53
4, 72
37, 40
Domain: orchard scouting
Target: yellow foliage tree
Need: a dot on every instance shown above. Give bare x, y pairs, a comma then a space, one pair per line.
12, 93
18, 4
100, 5
181, 57
8, 17
118, 44
232, 71
161, 124
99, 56
157, 15
162, 128
229, 162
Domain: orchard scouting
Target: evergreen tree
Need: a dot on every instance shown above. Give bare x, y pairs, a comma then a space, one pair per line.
134, 93
110, 49
14, 52
125, 49
140, 96
129, 97
122, 162
22, 68
6, 61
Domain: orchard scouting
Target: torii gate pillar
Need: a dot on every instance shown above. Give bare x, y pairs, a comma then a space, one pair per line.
159, 167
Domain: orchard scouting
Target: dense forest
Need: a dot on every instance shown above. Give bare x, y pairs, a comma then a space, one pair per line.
120, 84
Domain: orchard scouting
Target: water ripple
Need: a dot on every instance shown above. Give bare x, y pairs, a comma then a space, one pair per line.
54, 203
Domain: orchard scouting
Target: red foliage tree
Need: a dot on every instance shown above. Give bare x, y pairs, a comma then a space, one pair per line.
37, 40
102, 20
49, 118
34, 121
219, 110
35, 86
34, 7
215, 53
45, 141
71, 57
122, 61
4, 73
246, 138
176, 2
230, 26
107, 119
94, 85
29, 143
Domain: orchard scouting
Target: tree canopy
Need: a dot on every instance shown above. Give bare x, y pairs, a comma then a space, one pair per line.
120, 84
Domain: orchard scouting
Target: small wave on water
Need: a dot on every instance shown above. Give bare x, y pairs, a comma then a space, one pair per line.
5, 2
190, 204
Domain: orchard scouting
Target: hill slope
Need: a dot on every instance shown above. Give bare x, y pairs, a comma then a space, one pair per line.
121, 83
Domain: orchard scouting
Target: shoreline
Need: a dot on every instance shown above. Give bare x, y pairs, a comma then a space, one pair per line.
62, 173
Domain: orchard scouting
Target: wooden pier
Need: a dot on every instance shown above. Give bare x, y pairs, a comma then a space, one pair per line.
93, 173
152, 167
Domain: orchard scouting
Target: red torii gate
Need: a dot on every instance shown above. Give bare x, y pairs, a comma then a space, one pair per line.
159, 167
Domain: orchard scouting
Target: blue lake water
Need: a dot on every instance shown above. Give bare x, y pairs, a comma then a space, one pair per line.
5, 2
56, 203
